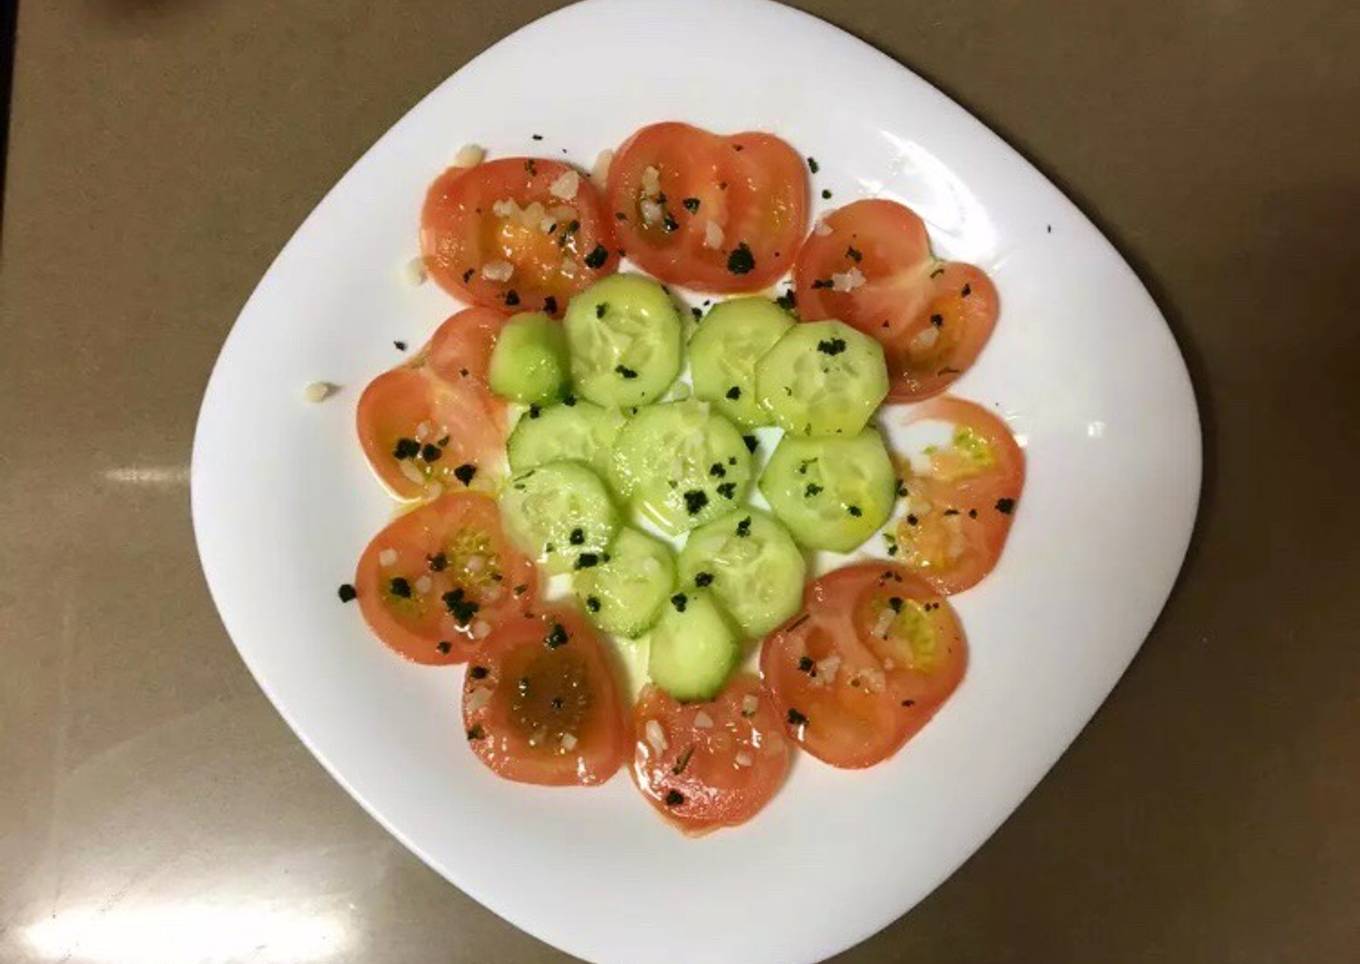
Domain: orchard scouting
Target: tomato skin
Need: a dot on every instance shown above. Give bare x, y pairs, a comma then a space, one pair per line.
932, 317
444, 388
462, 526
848, 694
461, 233
980, 507
728, 770
522, 694
752, 185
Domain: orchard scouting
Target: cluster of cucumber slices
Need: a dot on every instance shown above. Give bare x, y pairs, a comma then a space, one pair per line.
611, 434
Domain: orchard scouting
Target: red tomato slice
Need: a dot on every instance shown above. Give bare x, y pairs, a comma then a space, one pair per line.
540, 704
442, 577
932, 317
718, 214
434, 423
865, 665
958, 514
503, 216
709, 765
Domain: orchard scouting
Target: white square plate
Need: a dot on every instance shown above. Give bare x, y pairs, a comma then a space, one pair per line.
1081, 365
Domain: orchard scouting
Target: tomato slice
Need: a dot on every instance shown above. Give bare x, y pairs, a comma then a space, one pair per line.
959, 511
540, 703
441, 578
709, 212
865, 665
520, 233
709, 765
434, 423
870, 266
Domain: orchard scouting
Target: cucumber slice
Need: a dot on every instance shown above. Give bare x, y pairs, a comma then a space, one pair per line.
576, 430
529, 363
625, 594
560, 513
751, 565
624, 336
681, 465
822, 378
832, 493
693, 649
724, 351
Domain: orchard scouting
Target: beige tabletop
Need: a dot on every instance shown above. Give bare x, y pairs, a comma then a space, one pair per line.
153, 806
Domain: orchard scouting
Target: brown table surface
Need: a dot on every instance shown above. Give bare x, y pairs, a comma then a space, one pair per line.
163, 150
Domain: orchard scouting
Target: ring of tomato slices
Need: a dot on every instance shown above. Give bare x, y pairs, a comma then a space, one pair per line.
715, 213
541, 705
442, 577
709, 765
869, 265
958, 514
518, 234
434, 423
865, 664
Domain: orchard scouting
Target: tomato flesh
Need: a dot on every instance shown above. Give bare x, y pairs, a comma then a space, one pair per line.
869, 265
709, 765
433, 423
442, 577
958, 513
715, 213
872, 656
502, 218
540, 704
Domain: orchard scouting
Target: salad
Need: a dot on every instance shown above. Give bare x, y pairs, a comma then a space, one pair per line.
601, 471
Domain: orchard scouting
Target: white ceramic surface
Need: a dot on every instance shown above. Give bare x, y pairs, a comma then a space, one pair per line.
1081, 365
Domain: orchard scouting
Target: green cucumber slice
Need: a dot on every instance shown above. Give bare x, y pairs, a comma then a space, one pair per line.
624, 336
832, 493
822, 378
751, 565
624, 595
681, 465
560, 513
529, 363
693, 648
724, 351
576, 429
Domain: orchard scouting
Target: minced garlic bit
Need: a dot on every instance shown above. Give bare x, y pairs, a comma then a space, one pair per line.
387, 557
565, 185
925, 339
703, 721
651, 182
413, 474
319, 391
424, 584
847, 280
821, 228
655, 735
568, 267
651, 211
599, 173
481, 629
477, 699
414, 271
498, 270
749, 705
713, 235
568, 742
469, 155
744, 759
504, 208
